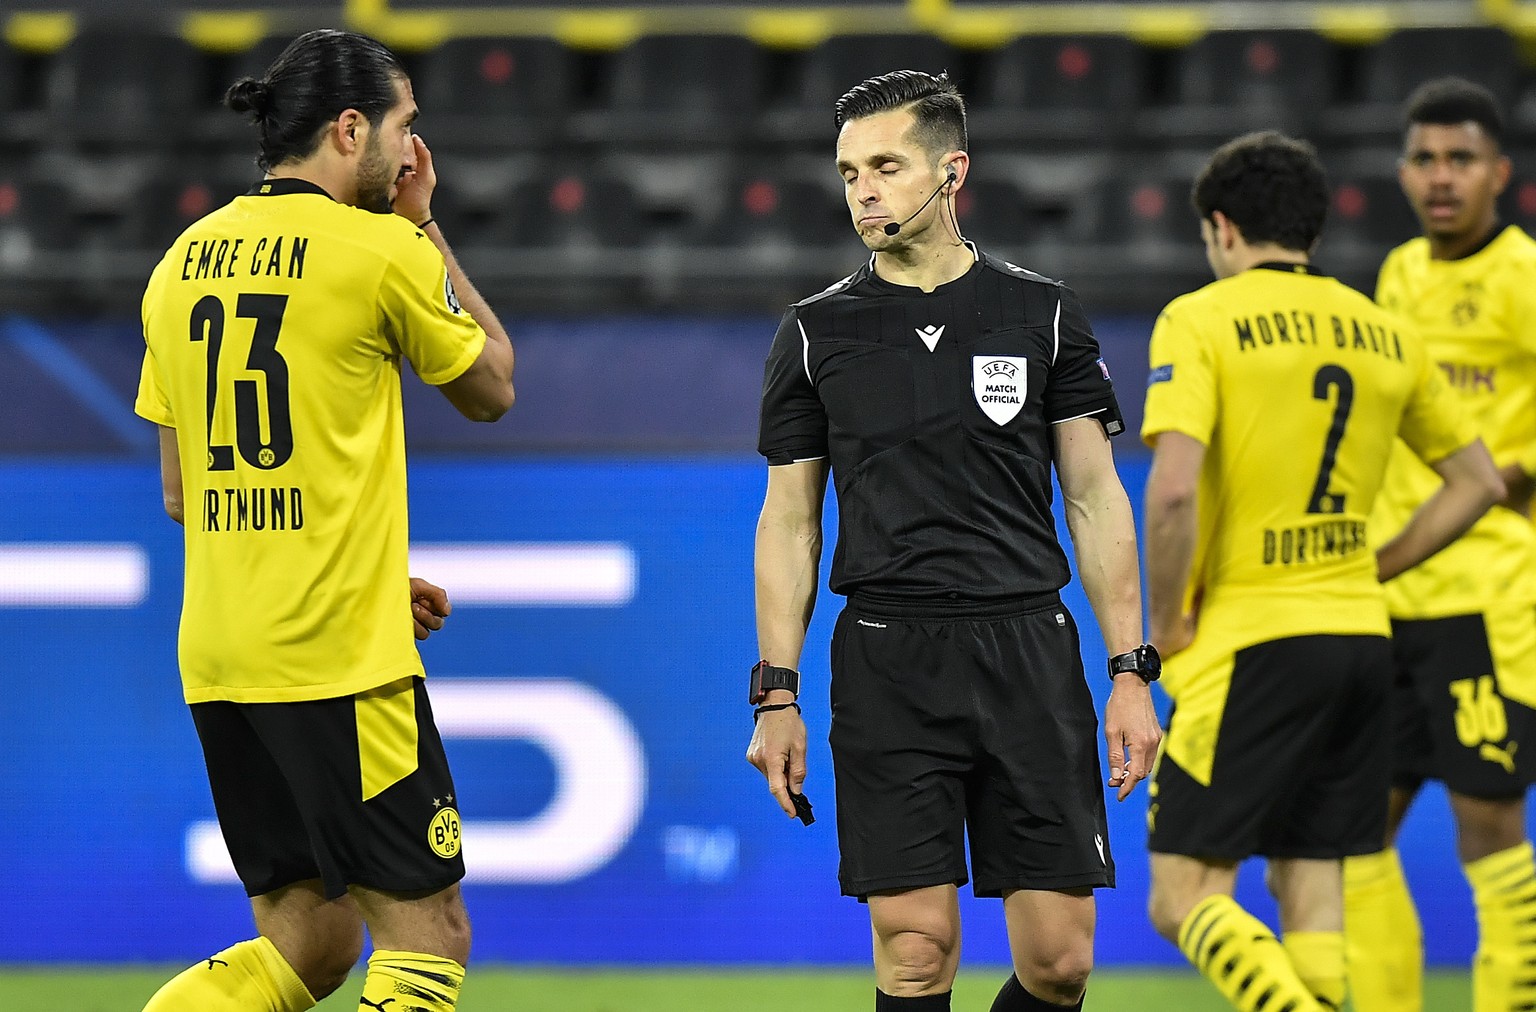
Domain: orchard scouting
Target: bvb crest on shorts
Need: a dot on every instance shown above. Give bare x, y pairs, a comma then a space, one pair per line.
1000, 383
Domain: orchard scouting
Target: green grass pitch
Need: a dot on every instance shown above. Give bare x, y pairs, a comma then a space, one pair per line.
493, 988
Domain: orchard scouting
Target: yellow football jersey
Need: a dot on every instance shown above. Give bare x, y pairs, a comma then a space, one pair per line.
275, 327
1298, 387
1478, 318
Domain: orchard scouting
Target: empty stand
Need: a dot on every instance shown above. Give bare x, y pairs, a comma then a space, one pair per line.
1389, 72
802, 113
494, 93
766, 210
572, 209
677, 89
1056, 89
124, 85
1230, 83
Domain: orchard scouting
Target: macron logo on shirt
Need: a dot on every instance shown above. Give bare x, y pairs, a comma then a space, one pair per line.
930, 335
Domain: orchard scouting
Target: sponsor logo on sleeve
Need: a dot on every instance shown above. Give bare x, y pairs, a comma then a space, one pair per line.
1162, 374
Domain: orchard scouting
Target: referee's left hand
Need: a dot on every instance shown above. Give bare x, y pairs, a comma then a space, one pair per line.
777, 749
429, 606
1132, 731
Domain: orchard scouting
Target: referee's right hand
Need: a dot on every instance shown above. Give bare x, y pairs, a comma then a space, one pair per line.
777, 749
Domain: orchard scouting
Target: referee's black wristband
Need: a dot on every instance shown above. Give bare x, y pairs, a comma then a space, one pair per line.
424, 224
770, 707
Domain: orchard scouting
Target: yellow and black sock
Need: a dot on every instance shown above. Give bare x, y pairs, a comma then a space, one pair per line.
1504, 892
1243, 958
1318, 957
1383, 943
412, 980
249, 977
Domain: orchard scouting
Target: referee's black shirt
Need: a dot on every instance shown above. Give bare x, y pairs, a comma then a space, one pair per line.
935, 409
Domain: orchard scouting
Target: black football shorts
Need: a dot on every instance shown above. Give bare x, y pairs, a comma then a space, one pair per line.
983, 724
1457, 704
353, 790
1281, 749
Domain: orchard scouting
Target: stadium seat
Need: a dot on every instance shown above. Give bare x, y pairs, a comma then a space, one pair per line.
1518, 203
1051, 89
173, 200
1143, 210
1389, 72
1370, 211
120, 85
803, 112
765, 210
570, 209
1229, 83
35, 219
493, 93
677, 89
995, 213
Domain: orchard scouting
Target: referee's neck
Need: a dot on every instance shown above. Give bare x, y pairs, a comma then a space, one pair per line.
925, 267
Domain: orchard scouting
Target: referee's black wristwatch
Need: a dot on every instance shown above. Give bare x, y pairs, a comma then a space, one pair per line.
766, 678
1142, 662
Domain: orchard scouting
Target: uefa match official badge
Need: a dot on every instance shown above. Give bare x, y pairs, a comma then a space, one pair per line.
1000, 383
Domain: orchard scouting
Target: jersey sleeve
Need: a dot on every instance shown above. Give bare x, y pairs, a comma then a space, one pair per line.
152, 401
1078, 383
423, 314
793, 424
1181, 386
1434, 423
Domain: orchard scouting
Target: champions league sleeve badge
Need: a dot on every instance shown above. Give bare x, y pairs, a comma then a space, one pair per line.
1000, 383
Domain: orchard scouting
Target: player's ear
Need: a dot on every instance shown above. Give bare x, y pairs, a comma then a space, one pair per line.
350, 130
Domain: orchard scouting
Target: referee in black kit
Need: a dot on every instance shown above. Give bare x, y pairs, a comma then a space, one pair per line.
940, 385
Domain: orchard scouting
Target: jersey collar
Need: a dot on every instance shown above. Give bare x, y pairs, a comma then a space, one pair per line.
283, 186
1286, 267
975, 256
1488, 240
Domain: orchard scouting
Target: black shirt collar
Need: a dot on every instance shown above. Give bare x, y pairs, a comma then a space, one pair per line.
282, 187
1286, 267
1493, 233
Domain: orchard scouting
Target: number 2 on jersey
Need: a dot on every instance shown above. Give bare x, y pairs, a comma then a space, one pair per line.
1337, 378
208, 324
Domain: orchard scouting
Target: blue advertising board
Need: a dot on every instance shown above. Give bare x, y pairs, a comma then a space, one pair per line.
590, 686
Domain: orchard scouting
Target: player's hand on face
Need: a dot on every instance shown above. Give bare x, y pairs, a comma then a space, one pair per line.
1133, 733
777, 749
413, 193
429, 607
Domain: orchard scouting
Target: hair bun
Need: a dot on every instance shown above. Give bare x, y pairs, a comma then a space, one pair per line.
249, 95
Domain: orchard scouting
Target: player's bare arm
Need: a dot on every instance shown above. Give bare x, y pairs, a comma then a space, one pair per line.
484, 392
1104, 540
787, 565
1172, 530
170, 475
1472, 485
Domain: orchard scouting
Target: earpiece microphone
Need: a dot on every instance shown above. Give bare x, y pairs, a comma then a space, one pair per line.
892, 227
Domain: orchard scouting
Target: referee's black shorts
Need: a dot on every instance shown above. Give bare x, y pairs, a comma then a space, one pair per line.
352, 790
946, 724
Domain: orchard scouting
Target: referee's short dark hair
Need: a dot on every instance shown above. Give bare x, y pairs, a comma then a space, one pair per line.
318, 77
1451, 101
1271, 186
936, 105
